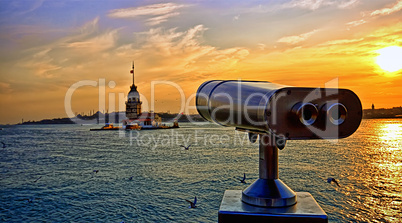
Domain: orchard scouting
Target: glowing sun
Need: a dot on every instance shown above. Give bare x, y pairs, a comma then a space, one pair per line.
390, 58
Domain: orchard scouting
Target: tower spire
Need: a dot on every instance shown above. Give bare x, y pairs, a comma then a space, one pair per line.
132, 71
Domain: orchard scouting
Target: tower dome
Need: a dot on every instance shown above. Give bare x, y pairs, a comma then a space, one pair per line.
133, 94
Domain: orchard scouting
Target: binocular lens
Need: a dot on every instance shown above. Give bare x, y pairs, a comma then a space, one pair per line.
336, 113
306, 112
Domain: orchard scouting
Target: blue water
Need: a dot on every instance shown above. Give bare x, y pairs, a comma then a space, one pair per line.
62, 158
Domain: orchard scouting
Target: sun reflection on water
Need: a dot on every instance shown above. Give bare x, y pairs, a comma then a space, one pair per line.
390, 131
383, 177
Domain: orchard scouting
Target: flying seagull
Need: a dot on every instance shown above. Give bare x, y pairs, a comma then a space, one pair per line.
186, 148
244, 179
192, 204
29, 200
37, 179
331, 179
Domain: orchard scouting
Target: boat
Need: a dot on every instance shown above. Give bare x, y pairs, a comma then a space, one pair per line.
107, 127
163, 126
132, 127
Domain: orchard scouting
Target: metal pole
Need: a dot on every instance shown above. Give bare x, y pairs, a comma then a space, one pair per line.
268, 158
133, 73
269, 190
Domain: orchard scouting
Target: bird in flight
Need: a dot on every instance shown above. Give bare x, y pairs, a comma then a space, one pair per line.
244, 179
192, 204
29, 200
331, 179
185, 147
37, 179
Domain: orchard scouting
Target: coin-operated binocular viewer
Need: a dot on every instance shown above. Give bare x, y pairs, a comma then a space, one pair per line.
276, 113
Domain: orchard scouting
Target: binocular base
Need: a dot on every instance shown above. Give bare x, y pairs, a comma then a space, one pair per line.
269, 193
306, 209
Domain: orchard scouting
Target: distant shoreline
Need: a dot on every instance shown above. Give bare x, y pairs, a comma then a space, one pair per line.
395, 112
61, 121
98, 118
398, 117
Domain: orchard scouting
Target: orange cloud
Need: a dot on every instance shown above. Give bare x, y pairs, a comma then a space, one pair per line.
367, 16
156, 13
386, 11
296, 39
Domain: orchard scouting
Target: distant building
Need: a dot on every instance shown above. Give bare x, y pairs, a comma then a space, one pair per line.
133, 103
134, 114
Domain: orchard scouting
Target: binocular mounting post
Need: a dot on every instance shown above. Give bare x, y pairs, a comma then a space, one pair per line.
269, 190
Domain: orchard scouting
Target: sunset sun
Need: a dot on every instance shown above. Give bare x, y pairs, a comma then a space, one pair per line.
390, 58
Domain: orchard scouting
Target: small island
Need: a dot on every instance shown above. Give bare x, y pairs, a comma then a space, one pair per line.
373, 113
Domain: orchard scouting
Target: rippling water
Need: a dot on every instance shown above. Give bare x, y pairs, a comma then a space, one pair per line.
62, 158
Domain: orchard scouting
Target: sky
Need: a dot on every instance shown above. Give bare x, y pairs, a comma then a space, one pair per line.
49, 47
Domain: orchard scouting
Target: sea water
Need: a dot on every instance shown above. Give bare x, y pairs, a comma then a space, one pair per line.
71, 174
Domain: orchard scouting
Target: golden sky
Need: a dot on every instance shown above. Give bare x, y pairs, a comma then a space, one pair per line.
48, 46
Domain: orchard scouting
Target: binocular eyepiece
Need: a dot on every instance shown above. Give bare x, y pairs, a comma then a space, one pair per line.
306, 113
293, 112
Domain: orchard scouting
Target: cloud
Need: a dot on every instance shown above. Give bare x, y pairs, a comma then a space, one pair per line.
261, 46
348, 4
296, 39
159, 52
356, 23
275, 6
98, 43
159, 19
44, 69
341, 42
181, 55
156, 9
316, 4
5, 88
376, 13
90, 26
24, 7
307, 4
386, 11
83, 45
158, 13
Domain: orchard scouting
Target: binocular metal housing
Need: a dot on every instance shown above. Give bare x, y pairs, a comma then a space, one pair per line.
273, 112
290, 112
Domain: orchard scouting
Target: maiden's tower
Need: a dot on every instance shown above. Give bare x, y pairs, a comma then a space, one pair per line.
133, 103
136, 119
